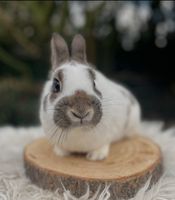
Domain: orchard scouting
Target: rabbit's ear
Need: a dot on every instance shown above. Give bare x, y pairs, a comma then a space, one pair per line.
59, 51
78, 49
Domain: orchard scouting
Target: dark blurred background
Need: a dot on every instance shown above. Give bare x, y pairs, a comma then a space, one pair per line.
133, 42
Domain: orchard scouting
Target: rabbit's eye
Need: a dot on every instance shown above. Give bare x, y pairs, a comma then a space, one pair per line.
56, 86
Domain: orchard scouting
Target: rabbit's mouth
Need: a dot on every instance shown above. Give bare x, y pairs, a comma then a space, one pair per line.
81, 111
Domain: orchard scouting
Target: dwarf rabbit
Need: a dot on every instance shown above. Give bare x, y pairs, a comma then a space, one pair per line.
81, 110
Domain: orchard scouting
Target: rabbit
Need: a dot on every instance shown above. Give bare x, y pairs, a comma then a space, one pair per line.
81, 110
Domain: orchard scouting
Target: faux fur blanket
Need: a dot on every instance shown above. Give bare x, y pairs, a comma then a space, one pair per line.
15, 186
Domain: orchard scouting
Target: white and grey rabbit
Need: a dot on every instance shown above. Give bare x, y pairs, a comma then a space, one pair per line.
81, 109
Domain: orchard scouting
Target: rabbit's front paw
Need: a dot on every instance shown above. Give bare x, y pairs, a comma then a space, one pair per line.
98, 154
60, 152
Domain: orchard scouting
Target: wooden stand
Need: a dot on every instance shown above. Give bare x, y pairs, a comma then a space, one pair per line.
129, 165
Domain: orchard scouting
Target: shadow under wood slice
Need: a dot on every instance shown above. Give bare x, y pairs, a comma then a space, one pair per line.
129, 165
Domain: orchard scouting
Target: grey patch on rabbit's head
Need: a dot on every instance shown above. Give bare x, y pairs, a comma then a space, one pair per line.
59, 76
81, 102
93, 77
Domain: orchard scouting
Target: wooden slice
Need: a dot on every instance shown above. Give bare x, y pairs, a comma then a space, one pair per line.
129, 165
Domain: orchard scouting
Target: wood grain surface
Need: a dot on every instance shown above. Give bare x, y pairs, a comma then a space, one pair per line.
129, 165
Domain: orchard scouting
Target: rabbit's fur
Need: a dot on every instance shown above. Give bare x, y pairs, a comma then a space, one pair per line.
85, 111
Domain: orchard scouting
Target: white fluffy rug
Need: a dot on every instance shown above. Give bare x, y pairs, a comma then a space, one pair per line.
15, 186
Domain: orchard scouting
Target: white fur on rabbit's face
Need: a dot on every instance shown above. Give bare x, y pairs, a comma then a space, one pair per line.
77, 101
